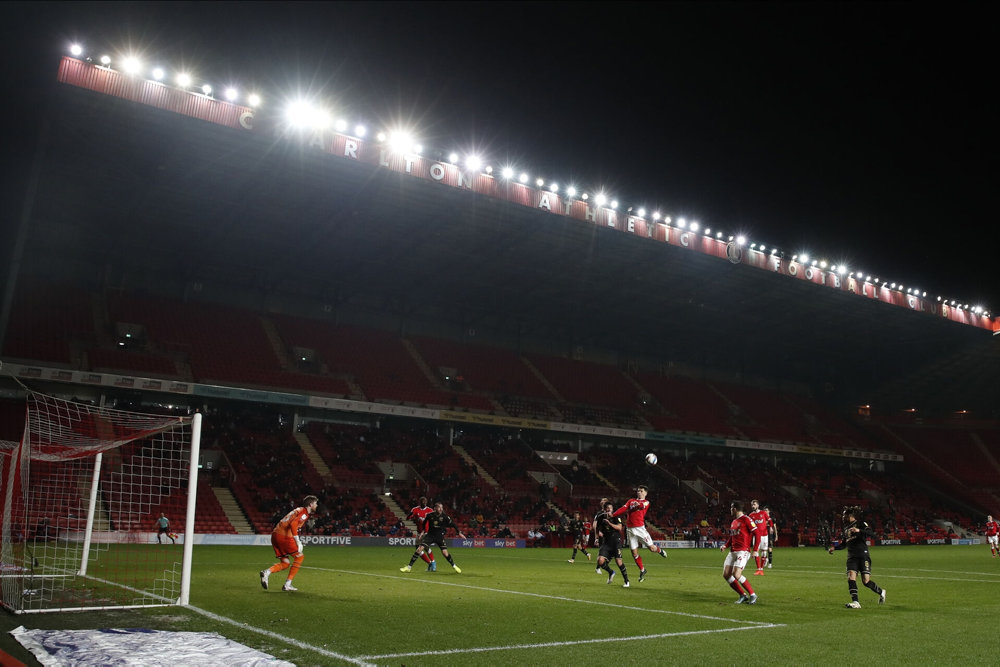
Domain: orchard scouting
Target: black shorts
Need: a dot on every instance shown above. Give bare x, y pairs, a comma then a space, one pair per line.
609, 551
862, 564
580, 539
437, 539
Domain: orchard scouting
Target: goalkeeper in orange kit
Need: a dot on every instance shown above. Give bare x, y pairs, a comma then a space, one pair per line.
287, 545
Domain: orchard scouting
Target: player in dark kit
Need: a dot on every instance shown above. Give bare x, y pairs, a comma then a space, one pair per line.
855, 535
437, 523
609, 535
594, 540
578, 529
419, 516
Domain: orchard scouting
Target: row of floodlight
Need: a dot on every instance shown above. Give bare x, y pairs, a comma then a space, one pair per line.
133, 66
303, 115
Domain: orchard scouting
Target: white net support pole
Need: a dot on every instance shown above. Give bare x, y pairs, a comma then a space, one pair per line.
88, 535
191, 506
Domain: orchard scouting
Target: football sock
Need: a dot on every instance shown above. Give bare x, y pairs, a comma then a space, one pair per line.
874, 587
638, 561
607, 567
621, 568
296, 564
278, 567
746, 585
735, 585
574, 554
852, 586
757, 558
583, 551
414, 557
424, 557
430, 554
450, 560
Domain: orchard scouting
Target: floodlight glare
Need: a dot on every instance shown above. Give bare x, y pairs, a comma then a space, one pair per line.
804, 257
600, 199
360, 130
718, 235
183, 80
207, 89
656, 215
380, 136
254, 100
507, 173
681, 222
473, 163
75, 49
540, 182
231, 94
614, 203
708, 231
694, 228
524, 177
105, 60
584, 196
158, 73
571, 191
741, 240
554, 187
641, 212
489, 169
400, 141
453, 157
341, 125
131, 65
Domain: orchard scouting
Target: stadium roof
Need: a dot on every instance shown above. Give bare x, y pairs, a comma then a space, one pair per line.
149, 197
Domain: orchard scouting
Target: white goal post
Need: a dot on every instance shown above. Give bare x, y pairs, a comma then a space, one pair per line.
81, 495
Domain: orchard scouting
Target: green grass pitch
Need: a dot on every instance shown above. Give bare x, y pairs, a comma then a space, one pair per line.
530, 606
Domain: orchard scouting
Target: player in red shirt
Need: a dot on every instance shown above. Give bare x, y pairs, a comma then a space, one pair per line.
760, 520
992, 535
635, 527
740, 540
419, 516
286, 543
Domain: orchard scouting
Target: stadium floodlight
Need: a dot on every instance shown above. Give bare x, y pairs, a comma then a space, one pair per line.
507, 173
360, 130
473, 162
762, 248
554, 187
131, 65
600, 199
682, 223
400, 141
380, 137
695, 226
841, 269
340, 125
822, 264
656, 215
183, 79
158, 73
571, 191
75, 49
206, 89
804, 258
231, 94
489, 169
539, 182
614, 203
105, 60
641, 212
708, 231
753, 245
868, 279
741, 240
524, 177
453, 157
584, 196
253, 100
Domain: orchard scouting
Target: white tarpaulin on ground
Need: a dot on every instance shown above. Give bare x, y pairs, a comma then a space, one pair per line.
145, 648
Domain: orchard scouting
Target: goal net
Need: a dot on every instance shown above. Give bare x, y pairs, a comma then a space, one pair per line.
81, 495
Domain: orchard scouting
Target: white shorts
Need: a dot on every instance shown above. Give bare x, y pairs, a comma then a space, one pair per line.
992, 539
637, 536
737, 559
763, 543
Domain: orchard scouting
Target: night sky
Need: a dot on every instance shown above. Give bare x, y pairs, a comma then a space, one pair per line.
862, 133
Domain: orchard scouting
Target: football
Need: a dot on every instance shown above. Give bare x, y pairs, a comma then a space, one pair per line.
651, 459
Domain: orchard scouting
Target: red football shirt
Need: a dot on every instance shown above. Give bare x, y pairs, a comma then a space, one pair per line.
992, 528
740, 533
635, 511
419, 515
760, 520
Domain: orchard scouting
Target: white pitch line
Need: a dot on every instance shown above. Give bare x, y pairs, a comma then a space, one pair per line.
560, 598
520, 647
282, 638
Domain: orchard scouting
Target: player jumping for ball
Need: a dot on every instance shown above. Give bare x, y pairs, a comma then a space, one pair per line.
635, 524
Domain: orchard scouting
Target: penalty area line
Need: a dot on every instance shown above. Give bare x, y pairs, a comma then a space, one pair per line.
522, 647
282, 638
